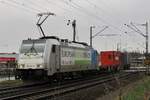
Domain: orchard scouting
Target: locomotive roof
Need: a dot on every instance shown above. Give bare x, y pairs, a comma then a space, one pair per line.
78, 45
35, 40
50, 37
111, 51
64, 42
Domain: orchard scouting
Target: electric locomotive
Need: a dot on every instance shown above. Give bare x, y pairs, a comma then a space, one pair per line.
49, 56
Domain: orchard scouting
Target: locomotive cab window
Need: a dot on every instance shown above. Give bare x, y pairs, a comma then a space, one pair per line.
53, 48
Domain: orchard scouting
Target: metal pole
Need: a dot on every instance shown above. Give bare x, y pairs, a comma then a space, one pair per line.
91, 36
146, 39
146, 55
74, 30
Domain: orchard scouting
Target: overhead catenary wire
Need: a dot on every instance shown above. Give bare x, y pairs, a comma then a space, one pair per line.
24, 5
67, 10
100, 9
109, 6
77, 13
27, 10
107, 13
31, 5
83, 10
35, 10
132, 38
90, 2
59, 6
100, 31
77, 7
135, 30
48, 0
28, 6
68, 4
37, 5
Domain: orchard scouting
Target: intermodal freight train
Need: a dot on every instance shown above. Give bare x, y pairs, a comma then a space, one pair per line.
50, 56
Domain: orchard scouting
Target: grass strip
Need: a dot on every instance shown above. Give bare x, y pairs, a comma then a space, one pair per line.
138, 91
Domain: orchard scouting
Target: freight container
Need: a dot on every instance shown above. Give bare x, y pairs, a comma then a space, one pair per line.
110, 59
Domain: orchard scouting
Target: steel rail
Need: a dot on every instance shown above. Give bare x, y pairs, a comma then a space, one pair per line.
59, 90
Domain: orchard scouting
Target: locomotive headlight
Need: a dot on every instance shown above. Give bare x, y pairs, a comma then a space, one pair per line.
39, 65
21, 66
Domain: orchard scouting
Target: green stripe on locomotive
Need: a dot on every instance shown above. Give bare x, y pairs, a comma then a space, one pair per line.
82, 62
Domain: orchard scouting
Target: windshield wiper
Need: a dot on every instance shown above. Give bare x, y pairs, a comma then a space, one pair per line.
32, 50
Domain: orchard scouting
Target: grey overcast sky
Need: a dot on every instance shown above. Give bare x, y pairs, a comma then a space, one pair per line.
18, 21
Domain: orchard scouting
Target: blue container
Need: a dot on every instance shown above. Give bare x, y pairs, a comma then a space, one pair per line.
94, 57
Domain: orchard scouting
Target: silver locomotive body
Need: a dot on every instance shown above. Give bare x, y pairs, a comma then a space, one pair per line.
46, 57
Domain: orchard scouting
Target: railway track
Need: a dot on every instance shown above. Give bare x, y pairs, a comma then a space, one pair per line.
31, 87
44, 92
9, 91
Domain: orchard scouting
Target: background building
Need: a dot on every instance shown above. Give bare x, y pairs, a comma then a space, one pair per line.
8, 63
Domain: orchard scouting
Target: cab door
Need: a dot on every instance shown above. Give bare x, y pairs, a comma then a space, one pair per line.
57, 58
